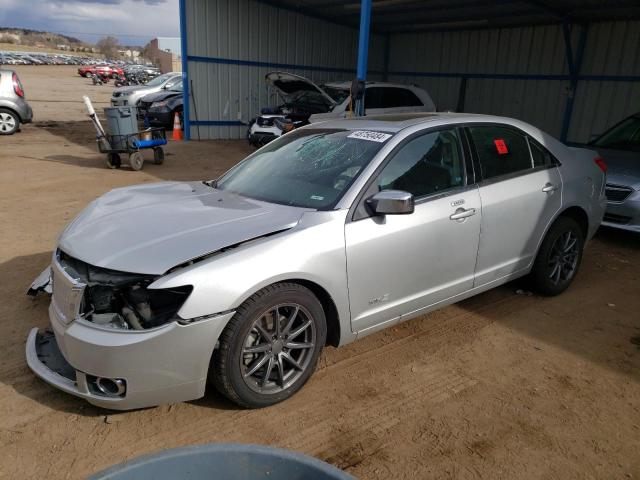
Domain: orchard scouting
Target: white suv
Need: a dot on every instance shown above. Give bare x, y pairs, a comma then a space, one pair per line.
305, 102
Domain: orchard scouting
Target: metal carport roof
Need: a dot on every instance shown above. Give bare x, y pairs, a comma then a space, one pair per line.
399, 16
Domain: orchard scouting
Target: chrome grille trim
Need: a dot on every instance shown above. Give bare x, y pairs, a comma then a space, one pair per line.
68, 293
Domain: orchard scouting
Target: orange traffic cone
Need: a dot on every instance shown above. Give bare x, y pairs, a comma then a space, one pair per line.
177, 129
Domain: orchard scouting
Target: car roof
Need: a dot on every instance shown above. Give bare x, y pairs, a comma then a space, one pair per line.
393, 123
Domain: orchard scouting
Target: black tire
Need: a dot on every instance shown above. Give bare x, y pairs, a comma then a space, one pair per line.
113, 160
555, 266
158, 156
230, 358
9, 122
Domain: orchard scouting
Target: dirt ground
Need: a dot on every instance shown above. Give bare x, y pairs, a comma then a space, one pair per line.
503, 385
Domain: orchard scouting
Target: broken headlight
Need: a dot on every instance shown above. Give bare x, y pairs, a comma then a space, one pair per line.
124, 300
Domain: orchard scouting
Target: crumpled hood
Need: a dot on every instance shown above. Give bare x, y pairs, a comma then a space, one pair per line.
151, 228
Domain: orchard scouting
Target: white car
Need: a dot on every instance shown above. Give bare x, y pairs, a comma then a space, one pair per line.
305, 102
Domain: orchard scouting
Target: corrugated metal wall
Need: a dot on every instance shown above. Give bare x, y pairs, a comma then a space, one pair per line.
437, 61
612, 48
227, 93
518, 72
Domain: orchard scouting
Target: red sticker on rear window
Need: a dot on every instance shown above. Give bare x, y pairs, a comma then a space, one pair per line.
501, 146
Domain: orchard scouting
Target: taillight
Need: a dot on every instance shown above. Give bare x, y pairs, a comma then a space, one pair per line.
602, 165
17, 86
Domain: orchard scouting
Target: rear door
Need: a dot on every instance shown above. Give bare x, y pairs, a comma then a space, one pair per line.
520, 190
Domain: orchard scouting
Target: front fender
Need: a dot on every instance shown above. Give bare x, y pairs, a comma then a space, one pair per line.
313, 251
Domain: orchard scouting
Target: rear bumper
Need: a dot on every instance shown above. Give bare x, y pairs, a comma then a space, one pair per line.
165, 365
624, 215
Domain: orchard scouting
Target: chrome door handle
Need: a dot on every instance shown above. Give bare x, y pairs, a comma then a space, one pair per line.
461, 213
549, 187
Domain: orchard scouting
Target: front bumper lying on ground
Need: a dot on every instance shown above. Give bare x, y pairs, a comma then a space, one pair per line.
164, 365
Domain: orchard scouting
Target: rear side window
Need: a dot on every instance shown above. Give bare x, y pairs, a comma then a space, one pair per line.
374, 98
401, 97
501, 150
541, 156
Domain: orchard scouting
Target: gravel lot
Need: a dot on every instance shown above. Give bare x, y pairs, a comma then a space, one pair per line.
503, 385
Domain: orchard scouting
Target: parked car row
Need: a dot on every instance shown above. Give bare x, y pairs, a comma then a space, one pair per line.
39, 58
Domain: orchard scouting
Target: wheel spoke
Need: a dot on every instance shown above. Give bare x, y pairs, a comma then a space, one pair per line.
265, 379
280, 371
571, 245
300, 329
556, 266
256, 365
261, 348
290, 321
290, 359
277, 320
298, 346
262, 331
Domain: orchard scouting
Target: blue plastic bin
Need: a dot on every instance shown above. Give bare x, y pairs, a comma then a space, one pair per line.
224, 462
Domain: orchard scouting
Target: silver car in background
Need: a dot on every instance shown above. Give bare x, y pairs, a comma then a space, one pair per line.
14, 108
620, 149
329, 233
131, 95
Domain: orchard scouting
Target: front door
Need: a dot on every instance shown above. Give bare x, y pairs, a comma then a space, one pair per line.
397, 264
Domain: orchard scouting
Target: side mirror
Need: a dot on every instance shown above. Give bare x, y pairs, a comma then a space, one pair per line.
391, 202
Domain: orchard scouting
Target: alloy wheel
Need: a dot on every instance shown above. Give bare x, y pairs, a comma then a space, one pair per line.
7, 122
563, 258
278, 348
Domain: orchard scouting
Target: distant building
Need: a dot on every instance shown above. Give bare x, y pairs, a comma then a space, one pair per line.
165, 52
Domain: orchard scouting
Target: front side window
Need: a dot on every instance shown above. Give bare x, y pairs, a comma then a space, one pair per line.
427, 164
624, 136
501, 150
309, 168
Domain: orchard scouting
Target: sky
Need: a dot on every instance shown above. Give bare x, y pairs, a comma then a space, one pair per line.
133, 22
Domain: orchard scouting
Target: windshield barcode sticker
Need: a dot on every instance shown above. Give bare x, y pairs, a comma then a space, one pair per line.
371, 136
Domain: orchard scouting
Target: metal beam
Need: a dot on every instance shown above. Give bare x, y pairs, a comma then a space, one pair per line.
185, 71
574, 62
363, 49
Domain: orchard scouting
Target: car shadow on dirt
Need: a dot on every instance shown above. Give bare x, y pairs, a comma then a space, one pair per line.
78, 132
595, 318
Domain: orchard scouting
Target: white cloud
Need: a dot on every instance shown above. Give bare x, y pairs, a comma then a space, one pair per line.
134, 21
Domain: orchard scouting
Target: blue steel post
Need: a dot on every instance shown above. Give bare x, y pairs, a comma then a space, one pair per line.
363, 49
185, 71
574, 61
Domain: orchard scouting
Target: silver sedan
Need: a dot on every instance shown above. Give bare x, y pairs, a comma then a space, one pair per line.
328, 234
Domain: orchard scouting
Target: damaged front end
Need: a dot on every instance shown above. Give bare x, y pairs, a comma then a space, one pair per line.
113, 299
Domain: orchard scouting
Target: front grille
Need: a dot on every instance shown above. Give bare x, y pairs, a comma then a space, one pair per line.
67, 293
618, 219
617, 193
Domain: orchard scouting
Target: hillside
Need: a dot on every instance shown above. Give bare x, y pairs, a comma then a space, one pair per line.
22, 38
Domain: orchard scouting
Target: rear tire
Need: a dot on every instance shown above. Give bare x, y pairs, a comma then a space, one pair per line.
9, 122
559, 257
270, 347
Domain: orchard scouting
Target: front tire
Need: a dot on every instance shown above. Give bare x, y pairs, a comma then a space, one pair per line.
559, 257
270, 347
